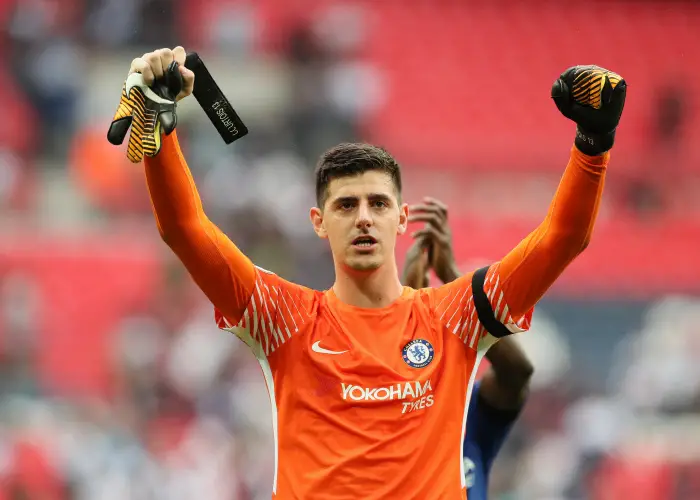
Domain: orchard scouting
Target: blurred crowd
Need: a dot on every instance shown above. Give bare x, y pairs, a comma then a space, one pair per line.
114, 381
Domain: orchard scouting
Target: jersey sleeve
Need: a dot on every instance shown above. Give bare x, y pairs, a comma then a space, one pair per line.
259, 307
518, 281
222, 272
532, 267
454, 306
277, 310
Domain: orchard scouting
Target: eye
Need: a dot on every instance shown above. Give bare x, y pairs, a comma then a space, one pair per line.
380, 204
346, 205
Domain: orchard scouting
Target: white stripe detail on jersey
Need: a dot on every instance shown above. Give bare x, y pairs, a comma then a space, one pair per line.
448, 306
505, 311
271, 323
245, 335
469, 320
269, 315
437, 307
254, 314
470, 388
472, 319
270, 382
498, 307
261, 328
457, 312
263, 270
475, 332
486, 342
302, 319
289, 313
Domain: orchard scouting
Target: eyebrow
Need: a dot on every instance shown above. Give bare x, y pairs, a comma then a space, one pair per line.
344, 199
379, 197
370, 196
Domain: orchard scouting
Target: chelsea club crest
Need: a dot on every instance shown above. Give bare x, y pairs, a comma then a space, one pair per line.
418, 353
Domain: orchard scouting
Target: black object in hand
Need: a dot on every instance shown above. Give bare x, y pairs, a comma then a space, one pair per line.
214, 102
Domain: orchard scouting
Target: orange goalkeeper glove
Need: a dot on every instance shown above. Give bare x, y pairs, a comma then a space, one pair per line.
148, 111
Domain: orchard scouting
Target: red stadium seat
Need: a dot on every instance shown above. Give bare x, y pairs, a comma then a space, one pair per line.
85, 286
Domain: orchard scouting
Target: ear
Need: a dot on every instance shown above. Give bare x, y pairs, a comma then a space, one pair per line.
403, 219
316, 216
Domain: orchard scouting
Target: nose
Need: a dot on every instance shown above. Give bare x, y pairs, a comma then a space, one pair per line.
364, 216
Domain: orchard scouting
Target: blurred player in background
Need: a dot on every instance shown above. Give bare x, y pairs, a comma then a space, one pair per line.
369, 381
496, 399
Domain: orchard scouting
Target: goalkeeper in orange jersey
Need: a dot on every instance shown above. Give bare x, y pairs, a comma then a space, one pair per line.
368, 380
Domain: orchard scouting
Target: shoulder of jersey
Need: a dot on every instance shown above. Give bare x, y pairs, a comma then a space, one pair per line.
304, 290
424, 295
263, 270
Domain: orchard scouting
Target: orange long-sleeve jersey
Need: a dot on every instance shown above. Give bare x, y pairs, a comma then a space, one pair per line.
368, 403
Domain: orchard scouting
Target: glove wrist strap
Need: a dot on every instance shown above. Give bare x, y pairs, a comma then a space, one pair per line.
593, 144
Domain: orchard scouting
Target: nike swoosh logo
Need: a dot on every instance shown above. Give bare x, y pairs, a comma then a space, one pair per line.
317, 348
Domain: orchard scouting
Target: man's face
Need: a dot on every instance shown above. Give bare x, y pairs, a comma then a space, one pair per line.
361, 218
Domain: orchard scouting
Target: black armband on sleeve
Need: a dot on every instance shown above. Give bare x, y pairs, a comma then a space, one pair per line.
483, 307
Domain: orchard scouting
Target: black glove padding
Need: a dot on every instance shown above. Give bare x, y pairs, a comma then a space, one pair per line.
593, 97
148, 111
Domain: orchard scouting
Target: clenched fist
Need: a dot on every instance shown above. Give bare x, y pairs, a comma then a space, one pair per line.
594, 98
154, 67
156, 81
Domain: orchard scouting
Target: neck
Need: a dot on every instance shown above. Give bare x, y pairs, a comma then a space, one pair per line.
368, 289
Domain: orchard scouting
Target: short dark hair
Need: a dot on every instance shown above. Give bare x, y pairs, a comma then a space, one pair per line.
349, 159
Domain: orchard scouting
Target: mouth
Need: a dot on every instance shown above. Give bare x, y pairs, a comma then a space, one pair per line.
365, 242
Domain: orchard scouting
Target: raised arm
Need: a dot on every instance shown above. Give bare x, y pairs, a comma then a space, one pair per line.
593, 98
222, 272
156, 81
528, 270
